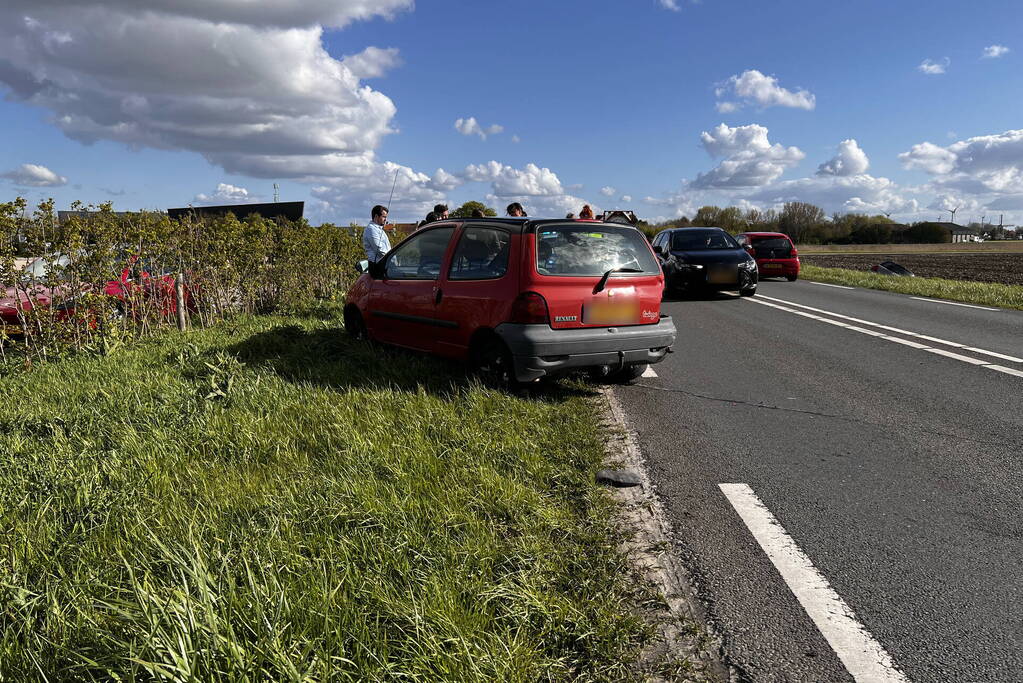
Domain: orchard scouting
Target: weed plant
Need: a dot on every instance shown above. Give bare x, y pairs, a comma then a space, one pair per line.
265, 500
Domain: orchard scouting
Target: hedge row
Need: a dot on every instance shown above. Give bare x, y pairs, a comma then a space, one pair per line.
228, 265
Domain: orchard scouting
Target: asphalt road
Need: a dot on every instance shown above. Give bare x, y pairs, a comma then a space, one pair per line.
896, 470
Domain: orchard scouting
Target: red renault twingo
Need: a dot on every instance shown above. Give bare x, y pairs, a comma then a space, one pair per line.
520, 299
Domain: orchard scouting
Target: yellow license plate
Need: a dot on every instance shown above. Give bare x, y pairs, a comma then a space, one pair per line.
611, 312
772, 265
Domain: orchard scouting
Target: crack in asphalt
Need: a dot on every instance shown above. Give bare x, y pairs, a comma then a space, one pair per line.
768, 406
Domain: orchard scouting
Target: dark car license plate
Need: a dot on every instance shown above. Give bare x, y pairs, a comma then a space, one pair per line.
722, 275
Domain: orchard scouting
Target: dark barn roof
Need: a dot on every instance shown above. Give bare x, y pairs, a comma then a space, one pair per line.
291, 211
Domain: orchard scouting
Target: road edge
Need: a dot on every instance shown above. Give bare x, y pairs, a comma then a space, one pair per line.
683, 632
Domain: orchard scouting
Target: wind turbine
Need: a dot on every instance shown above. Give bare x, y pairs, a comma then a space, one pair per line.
953, 212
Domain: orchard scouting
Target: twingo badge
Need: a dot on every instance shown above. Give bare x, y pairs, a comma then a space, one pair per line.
565, 318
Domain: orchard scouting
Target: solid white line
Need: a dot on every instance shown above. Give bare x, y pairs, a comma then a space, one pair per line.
953, 303
649, 372
945, 342
863, 656
827, 284
1007, 371
899, 340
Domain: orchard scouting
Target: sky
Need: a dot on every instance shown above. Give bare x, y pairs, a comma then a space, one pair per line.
906, 108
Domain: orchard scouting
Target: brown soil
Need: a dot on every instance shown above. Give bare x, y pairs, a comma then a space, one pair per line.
1005, 269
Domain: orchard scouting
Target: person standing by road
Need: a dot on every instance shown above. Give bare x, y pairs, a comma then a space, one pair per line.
374, 239
442, 212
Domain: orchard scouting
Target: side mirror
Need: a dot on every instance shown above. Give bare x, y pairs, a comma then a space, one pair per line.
749, 249
658, 249
362, 266
377, 270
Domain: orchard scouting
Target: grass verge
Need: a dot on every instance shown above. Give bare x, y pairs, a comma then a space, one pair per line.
267, 500
980, 293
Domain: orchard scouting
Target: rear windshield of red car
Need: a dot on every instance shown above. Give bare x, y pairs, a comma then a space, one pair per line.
772, 247
591, 250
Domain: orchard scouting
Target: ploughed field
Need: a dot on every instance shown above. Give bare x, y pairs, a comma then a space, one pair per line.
1000, 268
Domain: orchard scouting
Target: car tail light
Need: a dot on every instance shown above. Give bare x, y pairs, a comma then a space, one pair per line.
531, 309
795, 252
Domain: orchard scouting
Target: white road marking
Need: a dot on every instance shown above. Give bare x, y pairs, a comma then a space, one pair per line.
945, 342
953, 303
1008, 371
649, 372
826, 284
898, 340
863, 656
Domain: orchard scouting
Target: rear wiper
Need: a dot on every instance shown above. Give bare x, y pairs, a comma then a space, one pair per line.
603, 281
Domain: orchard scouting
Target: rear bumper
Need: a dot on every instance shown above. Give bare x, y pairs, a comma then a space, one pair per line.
538, 350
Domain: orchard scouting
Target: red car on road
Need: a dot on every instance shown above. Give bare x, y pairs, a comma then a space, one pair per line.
519, 299
775, 253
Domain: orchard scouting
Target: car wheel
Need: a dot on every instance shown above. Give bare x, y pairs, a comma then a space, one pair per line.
355, 326
748, 292
492, 361
791, 278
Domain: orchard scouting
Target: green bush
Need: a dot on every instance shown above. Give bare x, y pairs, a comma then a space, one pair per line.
228, 265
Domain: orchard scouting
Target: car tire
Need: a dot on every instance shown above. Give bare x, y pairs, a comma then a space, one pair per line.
355, 326
491, 360
748, 292
791, 278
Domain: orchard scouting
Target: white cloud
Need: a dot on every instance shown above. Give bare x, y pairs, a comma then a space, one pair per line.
415, 193
670, 5
933, 68
750, 158
608, 191
470, 126
995, 51
34, 175
850, 160
250, 86
626, 198
755, 88
516, 139
834, 193
979, 165
373, 62
226, 194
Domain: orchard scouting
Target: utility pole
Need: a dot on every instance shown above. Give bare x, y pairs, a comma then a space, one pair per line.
277, 193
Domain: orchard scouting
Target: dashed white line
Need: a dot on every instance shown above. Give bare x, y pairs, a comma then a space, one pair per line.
649, 373
825, 284
953, 303
861, 654
937, 340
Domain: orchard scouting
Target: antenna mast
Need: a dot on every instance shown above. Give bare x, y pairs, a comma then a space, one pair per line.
392, 190
277, 193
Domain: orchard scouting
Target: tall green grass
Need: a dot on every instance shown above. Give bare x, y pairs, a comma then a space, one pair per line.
266, 500
981, 293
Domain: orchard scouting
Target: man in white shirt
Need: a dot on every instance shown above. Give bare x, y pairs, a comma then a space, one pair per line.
374, 239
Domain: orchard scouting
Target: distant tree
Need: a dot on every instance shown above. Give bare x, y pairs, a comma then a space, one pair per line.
465, 210
707, 216
802, 222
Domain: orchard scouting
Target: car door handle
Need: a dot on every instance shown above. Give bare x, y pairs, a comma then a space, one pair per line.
438, 296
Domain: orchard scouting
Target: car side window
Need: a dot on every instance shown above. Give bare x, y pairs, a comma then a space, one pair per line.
481, 254
420, 257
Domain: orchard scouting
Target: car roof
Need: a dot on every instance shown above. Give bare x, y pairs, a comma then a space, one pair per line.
523, 225
764, 234
694, 227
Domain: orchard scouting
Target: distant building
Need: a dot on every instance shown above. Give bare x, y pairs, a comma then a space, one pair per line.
291, 211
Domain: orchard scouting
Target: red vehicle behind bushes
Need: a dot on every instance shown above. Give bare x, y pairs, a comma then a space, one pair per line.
520, 299
775, 253
43, 292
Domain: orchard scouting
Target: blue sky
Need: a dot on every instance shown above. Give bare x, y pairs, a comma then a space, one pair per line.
657, 105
